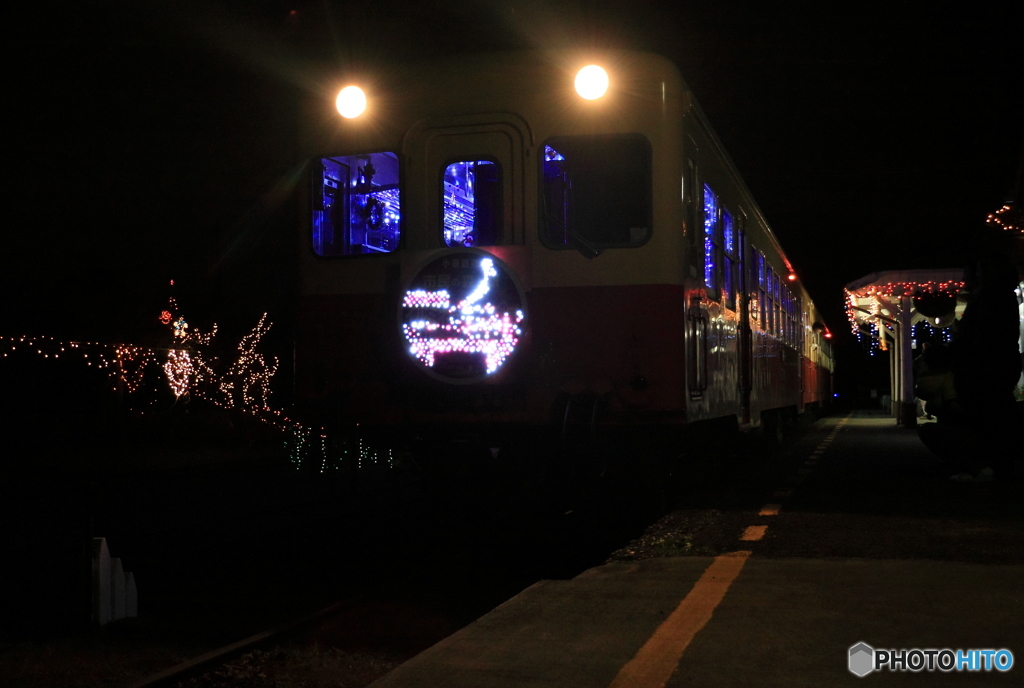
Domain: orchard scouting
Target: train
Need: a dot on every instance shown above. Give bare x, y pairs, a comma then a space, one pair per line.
540, 244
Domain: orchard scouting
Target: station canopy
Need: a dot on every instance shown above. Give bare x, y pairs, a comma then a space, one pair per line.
935, 296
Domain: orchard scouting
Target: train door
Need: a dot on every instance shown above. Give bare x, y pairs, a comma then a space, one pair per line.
745, 348
466, 181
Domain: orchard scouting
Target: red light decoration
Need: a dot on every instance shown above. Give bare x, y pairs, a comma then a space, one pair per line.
1008, 218
890, 291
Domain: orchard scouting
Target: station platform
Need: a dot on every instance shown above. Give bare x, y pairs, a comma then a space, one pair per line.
757, 615
779, 623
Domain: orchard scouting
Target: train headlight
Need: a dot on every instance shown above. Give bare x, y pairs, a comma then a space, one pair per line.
591, 82
351, 102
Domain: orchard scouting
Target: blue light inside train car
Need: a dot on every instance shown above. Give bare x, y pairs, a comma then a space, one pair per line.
357, 205
551, 155
728, 246
710, 235
472, 203
727, 232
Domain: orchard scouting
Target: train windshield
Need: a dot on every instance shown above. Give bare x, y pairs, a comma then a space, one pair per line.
472, 203
356, 205
596, 192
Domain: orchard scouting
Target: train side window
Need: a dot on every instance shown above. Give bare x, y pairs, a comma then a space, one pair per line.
798, 318
763, 300
356, 204
776, 306
728, 257
710, 238
794, 323
596, 192
758, 286
784, 300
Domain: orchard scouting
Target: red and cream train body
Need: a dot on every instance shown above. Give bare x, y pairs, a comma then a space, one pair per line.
485, 250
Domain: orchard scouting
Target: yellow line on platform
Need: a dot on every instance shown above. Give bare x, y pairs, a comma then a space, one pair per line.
753, 533
654, 663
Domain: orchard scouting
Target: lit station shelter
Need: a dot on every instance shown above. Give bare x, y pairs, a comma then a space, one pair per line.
896, 309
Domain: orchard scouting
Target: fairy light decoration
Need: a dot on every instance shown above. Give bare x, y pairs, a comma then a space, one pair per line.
247, 382
129, 365
888, 292
187, 368
178, 368
925, 330
1008, 218
479, 333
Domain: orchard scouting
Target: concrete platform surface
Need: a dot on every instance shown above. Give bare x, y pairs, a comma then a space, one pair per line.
780, 622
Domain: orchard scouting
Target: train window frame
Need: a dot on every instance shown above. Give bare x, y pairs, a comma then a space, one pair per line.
390, 211
499, 213
590, 245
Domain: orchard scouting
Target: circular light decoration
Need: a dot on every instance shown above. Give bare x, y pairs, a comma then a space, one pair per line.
351, 102
591, 82
462, 315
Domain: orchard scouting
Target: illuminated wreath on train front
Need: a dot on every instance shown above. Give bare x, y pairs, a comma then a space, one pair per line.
462, 315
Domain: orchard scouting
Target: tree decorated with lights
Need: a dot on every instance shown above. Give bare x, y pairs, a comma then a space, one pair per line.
246, 384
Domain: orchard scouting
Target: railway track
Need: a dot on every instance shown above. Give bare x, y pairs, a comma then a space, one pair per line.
430, 565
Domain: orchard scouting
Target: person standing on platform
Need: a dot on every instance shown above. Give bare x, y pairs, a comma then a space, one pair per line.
986, 359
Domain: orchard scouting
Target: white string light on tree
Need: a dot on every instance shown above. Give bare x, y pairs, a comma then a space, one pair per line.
189, 369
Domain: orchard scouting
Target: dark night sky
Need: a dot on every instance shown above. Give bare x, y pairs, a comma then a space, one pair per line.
152, 140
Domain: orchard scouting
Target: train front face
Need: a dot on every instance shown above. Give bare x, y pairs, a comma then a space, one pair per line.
492, 237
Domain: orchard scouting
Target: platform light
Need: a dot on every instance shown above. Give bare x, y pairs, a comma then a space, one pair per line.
591, 82
791, 277
351, 102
